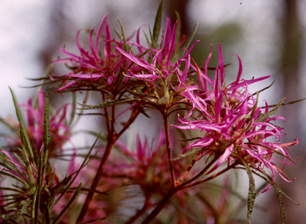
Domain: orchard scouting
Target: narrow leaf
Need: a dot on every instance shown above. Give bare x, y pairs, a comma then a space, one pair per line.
267, 115
189, 40
72, 114
178, 33
23, 134
252, 191
78, 172
157, 24
72, 199
5, 173
108, 103
125, 46
43, 159
46, 128
25, 206
9, 126
281, 203
190, 152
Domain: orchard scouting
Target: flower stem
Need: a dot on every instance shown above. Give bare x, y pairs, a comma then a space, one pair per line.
95, 182
165, 117
160, 205
111, 141
181, 178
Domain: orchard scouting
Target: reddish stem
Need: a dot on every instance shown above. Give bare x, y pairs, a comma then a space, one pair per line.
181, 178
111, 140
95, 182
165, 117
161, 205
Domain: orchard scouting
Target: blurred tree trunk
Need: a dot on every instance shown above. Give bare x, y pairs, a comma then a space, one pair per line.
289, 68
56, 34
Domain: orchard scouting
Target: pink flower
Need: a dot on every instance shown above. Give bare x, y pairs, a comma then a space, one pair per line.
162, 63
147, 166
89, 65
233, 126
59, 130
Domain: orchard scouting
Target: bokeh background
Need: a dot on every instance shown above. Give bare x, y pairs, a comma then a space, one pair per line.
269, 36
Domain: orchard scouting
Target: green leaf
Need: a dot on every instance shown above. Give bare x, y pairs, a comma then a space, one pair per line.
125, 46
271, 112
24, 137
13, 176
252, 191
9, 126
96, 134
252, 113
189, 40
46, 129
47, 137
43, 159
23, 134
66, 188
72, 199
190, 152
281, 203
108, 103
73, 112
35, 208
279, 193
178, 35
25, 206
157, 24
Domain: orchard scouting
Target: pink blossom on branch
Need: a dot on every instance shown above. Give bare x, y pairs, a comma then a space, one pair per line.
90, 65
59, 130
161, 66
232, 126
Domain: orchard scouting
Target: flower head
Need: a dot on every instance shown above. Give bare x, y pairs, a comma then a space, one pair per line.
233, 125
161, 66
59, 130
91, 66
146, 167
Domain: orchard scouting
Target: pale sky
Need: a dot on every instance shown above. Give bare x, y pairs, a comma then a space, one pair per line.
24, 23
24, 26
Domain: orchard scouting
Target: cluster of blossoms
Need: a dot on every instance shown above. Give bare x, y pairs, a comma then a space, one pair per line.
26, 157
222, 123
234, 127
60, 133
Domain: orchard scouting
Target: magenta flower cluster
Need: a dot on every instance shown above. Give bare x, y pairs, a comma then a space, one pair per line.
209, 128
232, 125
227, 116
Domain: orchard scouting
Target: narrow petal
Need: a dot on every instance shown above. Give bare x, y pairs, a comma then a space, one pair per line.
136, 60
240, 68
100, 31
